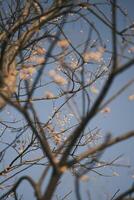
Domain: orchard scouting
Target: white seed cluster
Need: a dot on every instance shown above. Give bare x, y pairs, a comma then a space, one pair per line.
7, 79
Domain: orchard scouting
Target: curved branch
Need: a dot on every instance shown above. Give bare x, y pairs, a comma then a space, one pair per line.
14, 188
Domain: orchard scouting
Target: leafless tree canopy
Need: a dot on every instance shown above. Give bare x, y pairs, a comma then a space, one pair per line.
56, 69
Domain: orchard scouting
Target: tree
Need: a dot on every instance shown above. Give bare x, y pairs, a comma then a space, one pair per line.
55, 82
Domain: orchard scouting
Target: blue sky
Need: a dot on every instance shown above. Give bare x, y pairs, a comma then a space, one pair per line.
119, 120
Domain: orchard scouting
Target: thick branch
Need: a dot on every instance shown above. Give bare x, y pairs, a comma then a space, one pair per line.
101, 147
